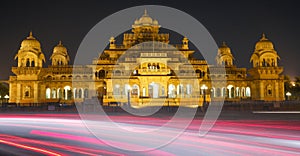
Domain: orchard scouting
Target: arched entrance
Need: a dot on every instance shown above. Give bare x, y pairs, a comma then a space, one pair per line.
153, 90
102, 90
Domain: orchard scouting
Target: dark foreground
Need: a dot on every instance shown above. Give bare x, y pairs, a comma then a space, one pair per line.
235, 133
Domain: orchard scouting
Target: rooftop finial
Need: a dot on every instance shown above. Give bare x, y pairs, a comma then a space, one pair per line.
30, 35
145, 12
224, 44
263, 37
60, 43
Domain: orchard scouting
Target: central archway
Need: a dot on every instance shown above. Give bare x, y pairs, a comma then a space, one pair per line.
153, 90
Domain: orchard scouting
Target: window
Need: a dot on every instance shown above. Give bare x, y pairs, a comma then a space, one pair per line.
171, 91
32, 64
248, 92
86, 93
269, 90
27, 92
27, 63
48, 93
54, 93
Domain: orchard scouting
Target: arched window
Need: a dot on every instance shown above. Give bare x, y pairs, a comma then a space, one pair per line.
171, 91
237, 91
53, 93
80, 93
273, 62
32, 63
27, 63
102, 73
224, 92
248, 92
153, 66
74, 93
230, 91
243, 92
67, 93
264, 64
48, 93
27, 92
180, 89
86, 93
269, 90
198, 72
213, 92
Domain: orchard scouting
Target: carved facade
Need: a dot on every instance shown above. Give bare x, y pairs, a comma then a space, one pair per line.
144, 70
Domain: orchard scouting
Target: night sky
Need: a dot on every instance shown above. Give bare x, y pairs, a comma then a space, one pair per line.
240, 24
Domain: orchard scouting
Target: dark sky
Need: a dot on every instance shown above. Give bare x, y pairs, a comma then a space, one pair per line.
239, 23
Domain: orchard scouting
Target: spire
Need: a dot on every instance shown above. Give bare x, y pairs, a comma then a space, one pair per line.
224, 44
60, 43
145, 12
30, 35
263, 37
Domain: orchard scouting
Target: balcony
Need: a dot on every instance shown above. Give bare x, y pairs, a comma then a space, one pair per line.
154, 71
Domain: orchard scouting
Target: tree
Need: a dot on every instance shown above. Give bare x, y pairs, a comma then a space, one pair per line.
3, 90
293, 88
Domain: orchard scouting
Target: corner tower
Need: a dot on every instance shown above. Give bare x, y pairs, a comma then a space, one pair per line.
30, 53
267, 81
25, 86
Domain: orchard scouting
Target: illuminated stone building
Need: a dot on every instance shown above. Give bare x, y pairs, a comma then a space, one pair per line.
144, 70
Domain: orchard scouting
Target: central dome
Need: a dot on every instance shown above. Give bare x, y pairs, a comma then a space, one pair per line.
264, 44
31, 42
145, 20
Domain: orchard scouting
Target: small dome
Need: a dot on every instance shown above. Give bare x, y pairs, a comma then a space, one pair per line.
136, 21
31, 42
224, 49
264, 44
155, 22
60, 48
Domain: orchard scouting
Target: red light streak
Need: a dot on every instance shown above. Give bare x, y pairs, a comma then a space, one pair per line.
35, 149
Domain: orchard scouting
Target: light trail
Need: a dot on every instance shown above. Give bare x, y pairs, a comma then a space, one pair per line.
65, 134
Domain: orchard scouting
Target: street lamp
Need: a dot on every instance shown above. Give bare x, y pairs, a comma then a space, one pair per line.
6, 98
288, 94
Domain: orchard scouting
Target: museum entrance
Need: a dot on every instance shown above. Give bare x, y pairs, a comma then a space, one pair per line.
153, 90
